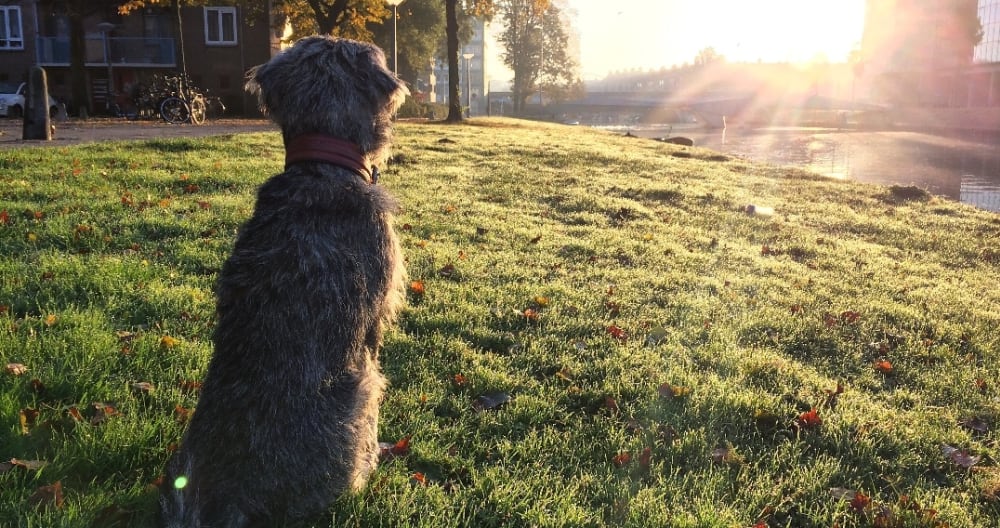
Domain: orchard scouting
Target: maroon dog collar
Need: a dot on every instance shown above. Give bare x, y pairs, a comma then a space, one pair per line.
328, 149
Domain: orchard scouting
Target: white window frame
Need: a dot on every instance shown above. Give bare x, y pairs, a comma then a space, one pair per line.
221, 11
8, 42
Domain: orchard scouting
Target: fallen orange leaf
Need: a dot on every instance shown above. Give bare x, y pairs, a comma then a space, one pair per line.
883, 366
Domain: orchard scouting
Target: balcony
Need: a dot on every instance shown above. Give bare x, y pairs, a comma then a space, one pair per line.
123, 51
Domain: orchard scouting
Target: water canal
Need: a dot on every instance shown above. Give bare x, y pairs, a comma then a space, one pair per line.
965, 168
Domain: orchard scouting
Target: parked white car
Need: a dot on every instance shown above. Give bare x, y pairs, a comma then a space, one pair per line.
12, 100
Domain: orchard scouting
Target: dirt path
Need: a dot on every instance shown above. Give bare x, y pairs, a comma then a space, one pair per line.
75, 131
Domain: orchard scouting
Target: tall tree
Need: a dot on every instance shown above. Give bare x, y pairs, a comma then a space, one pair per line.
534, 40
707, 56
557, 75
454, 102
342, 18
479, 8
420, 31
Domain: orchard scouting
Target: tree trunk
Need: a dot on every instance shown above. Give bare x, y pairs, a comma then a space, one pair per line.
180, 39
79, 87
454, 99
327, 15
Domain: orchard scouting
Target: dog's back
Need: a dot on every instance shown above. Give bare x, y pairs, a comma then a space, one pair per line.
288, 414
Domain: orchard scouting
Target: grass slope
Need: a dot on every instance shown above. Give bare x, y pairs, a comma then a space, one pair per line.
598, 333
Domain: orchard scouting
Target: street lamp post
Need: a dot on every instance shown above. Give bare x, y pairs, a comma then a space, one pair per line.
541, 63
468, 82
395, 54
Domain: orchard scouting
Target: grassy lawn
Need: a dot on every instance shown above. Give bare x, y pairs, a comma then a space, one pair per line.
598, 334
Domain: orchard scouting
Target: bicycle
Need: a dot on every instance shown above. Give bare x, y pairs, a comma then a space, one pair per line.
174, 99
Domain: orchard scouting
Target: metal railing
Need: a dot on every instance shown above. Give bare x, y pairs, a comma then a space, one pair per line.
122, 51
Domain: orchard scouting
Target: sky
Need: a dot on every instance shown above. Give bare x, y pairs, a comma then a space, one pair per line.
626, 34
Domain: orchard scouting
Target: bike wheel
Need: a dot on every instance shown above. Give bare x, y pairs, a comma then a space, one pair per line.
174, 110
198, 111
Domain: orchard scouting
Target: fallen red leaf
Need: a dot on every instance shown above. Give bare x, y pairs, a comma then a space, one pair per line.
883, 366
809, 419
860, 502
617, 333
531, 314
4, 217
417, 288
402, 447
458, 380
388, 451
611, 404
621, 459
420, 478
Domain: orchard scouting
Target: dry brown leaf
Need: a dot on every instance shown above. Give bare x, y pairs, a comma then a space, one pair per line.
44, 496
17, 369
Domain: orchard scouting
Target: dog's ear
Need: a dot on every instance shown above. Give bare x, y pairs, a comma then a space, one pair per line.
254, 86
370, 71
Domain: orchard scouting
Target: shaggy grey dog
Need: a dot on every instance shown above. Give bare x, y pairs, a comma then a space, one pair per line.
288, 414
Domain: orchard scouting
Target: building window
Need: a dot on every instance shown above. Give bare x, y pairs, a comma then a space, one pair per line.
220, 26
11, 37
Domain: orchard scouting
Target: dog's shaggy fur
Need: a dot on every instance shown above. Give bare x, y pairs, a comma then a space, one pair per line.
287, 418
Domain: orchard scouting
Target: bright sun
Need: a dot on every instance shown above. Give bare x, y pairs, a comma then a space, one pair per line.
655, 33
793, 30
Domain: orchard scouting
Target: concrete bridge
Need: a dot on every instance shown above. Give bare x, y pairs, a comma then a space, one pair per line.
705, 110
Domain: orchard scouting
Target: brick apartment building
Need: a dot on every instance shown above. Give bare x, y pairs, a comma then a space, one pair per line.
220, 43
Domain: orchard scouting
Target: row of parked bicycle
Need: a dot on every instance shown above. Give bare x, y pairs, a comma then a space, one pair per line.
174, 99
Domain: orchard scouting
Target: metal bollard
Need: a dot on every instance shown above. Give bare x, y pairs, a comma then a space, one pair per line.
37, 123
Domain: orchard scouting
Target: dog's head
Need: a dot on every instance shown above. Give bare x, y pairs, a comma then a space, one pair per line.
331, 86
